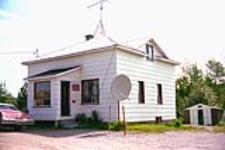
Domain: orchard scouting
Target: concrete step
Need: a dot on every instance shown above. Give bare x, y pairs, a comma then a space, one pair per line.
68, 124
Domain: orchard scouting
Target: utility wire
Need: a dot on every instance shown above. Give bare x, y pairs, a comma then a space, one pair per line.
16, 52
64, 48
79, 43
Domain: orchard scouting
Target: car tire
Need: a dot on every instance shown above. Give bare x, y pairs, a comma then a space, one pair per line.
0, 118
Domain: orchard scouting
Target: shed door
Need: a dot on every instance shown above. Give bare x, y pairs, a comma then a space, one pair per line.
200, 117
65, 98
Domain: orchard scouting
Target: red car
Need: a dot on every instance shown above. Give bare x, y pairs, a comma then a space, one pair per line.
12, 117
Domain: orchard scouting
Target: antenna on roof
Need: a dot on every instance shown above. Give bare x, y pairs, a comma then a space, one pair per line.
36, 53
100, 25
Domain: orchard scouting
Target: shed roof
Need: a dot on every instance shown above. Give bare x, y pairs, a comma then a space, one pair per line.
201, 106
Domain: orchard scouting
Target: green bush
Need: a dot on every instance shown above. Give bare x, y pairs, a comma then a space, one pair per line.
222, 123
95, 117
116, 126
81, 118
92, 122
176, 123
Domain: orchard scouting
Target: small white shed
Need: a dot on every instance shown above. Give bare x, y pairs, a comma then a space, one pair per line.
201, 114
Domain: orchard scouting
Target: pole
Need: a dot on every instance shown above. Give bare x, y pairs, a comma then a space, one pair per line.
110, 112
124, 121
118, 110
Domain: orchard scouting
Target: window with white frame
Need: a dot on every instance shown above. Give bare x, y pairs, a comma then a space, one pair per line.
42, 93
149, 52
90, 92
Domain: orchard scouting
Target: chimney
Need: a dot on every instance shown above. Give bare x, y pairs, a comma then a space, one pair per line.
89, 37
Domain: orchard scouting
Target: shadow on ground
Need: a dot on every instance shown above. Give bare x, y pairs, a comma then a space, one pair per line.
58, 133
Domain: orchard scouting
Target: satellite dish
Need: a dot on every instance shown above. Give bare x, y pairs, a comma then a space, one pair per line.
121, 87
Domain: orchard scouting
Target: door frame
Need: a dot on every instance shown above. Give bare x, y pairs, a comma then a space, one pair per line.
201, 120
64, 103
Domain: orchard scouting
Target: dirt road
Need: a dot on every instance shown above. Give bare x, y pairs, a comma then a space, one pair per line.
99, 140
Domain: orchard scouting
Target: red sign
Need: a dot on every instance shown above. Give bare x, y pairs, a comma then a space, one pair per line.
76, 87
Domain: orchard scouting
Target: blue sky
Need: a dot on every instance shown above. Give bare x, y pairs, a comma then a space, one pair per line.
188, 30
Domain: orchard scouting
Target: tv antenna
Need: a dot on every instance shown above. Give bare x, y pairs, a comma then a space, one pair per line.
36, 53
100, 25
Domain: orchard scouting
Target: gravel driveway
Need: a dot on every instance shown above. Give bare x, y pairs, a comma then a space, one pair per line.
102, 140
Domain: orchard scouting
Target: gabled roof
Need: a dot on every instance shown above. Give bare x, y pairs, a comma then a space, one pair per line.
99, 44
52, 73
202, 106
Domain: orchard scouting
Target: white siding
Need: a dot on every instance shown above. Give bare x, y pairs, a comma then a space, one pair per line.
194, 116
95, 65
43, 113
207, 116
152, 73
105, 66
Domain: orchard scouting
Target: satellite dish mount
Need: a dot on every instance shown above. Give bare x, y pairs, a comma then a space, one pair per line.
120, 90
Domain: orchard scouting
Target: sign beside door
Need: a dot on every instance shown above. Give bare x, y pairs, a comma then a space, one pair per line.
75, 87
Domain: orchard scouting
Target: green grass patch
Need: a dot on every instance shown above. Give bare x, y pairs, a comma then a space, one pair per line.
116, 126
158, 128
219, 129
93, 126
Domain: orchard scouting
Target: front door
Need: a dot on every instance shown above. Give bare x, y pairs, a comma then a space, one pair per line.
65, 98
200, 117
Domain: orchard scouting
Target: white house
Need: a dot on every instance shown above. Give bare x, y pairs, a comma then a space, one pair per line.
78, 79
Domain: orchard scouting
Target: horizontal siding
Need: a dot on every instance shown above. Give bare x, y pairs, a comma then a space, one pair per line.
152, 73
105, 66
47, 113
97, 65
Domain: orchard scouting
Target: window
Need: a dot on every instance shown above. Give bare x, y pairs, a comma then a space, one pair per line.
149, 52
159, 94
90, 92
42, 93
141, 92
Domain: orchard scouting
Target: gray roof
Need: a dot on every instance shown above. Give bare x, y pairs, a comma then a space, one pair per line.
200, 106
52, 72
100, 44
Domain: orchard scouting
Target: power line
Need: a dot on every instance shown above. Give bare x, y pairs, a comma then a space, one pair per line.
36, 53
64, 48
16, 52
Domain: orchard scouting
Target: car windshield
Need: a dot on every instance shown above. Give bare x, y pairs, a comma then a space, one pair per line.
8, 107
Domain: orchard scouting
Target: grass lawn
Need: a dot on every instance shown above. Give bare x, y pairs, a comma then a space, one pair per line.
138, 127
160, 128
219, 129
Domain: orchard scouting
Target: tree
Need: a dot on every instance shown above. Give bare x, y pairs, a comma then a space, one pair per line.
202, 93
215, 69
22, 98
192, 89
5, 96
182, 92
